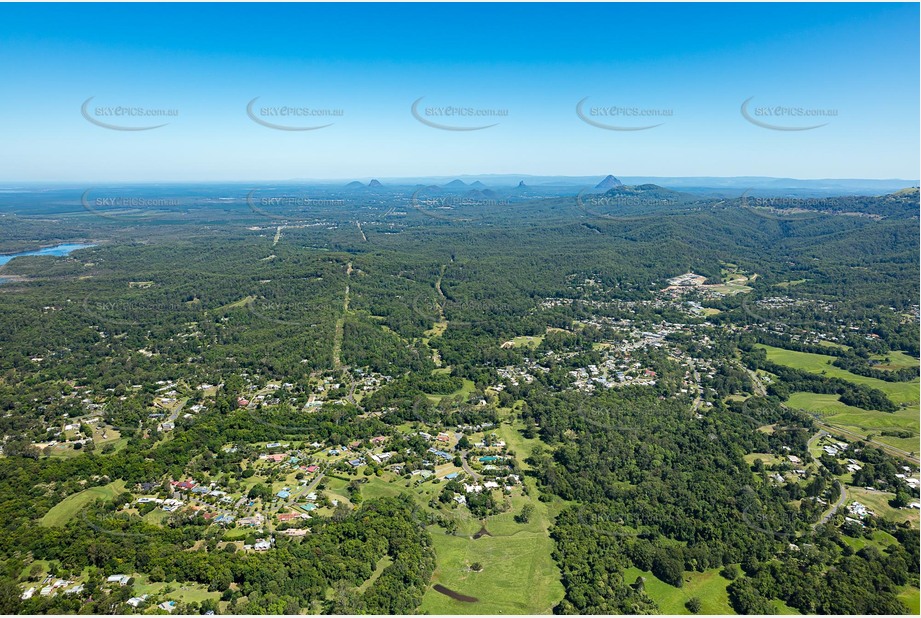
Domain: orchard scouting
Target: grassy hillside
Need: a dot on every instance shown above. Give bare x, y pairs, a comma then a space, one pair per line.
64, 510
849, 417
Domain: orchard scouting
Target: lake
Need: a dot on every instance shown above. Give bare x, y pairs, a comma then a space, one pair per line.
57, 250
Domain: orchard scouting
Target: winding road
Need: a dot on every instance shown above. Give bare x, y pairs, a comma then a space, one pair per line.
842, 498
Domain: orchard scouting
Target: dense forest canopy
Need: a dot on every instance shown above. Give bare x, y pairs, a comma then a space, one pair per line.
370, 319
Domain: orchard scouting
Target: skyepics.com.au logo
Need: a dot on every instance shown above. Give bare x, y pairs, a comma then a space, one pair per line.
119, 524
599, 205
454, 207
456, 117
291, 117
125, 117
790, 312
605, 524
432, 308
136, 311
782, 524
125, 207
621, 117
288, 422
785, 208
785, 117
597, 416
289, 207
295, 313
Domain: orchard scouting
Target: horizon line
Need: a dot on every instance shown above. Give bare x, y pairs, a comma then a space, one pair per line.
367, 178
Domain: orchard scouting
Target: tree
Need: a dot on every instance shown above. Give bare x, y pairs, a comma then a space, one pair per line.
693, 605
221, 581
640, 584
35, 571
260, 490
341, 512
901, 500
525, 515
668, 568
9, 597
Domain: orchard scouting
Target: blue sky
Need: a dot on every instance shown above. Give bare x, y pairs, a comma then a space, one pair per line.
533, 61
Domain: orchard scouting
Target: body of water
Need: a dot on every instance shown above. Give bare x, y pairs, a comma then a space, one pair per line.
57, 250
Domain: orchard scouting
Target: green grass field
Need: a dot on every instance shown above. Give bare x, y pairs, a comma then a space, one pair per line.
709, 587
527, 341
878, 501
911, 597
63, 511
789, 284
463, 391
181, 591
516, 559
861, 421
767, 459
848, 417
382, 564
879, 539
783, 609
519, 576
899, 392
897, 360
156, 517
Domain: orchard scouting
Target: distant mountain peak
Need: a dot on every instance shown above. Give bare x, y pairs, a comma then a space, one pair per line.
456, 184
354, 185
477, 184
375, 183
609, 182
521, 185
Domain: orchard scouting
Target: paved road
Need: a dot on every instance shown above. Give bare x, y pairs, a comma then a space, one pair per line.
821, 434
842, 498
467, 468
313, 484
351, 396
756, 383
842, 492
697, 400
175, 414
892, 450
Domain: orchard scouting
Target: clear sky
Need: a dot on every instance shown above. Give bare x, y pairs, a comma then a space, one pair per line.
533, 61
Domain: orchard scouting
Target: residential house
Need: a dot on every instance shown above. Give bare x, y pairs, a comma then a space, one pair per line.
119, 579
136, 601
295, 532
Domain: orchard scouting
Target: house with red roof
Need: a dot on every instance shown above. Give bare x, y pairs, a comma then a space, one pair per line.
282, 517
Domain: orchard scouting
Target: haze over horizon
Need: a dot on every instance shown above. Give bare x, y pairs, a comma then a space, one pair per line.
692, 91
